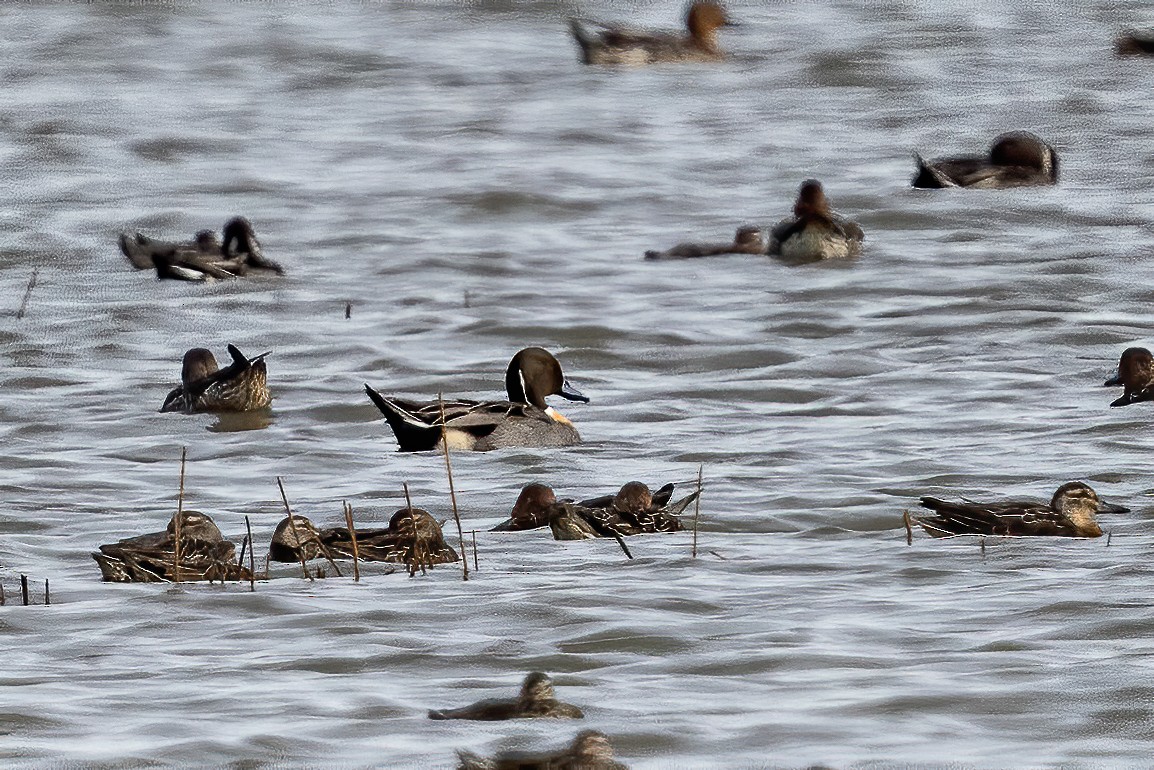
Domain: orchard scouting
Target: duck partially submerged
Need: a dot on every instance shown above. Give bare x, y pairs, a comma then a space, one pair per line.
611, 45
814, 232
632, 510
204, 555
1016, 159
590, 750
413, 538
536, 701
242, 386
1070, 513
203, 259
1135, 375
1135, 42
747, 240
524, 420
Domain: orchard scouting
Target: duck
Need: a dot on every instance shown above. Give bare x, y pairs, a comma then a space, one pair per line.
616, 46
536, 701
814, 232
1070, 514
525, 420
531, 509
1135, 375
296, 539
413, 537
632, 510
1134, 42
204, 554
205, 258
590, 750
747, 240
1016, 159
242, 386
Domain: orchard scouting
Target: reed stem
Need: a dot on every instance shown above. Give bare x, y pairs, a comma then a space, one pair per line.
179, 519
293, 527
697, 507
27, 293
251, 556
353, 537
417, 558
452, 491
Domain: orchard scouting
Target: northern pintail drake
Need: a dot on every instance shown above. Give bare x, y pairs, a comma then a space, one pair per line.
524, 420
242, 386
203, 259
814, 232
536, 701
1016, 159
1070, 514
605, 44
204, 555
1134, 42
413, 537
590, 750
747, 240
1135, 375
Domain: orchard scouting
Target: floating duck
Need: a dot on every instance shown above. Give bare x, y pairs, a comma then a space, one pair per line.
536, 701
240, 387
814, 232
205, 258
1070, 514
1016, 159
610, 45
204, 555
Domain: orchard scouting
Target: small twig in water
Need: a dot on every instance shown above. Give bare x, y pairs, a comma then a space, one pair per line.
28, 293
697, 507
909, 529
416, 556
353, 537
24, 589
452, 492
476, 566
179, 517
348, 310
251, 557
47, 595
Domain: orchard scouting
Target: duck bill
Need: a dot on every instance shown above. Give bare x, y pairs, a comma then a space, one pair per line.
571, 393
1114, 381
1105, 507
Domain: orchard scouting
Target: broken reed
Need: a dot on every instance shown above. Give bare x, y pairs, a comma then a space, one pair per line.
416, 557
909, 527
27, 293
453, 493
251, 557
697, 507
353, 538
293, 527
179, 517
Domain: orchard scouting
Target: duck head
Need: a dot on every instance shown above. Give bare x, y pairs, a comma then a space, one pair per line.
198, 364
534, 374
1024, 149
1135, 369
195, 525
532, 506
811, 201
703, 19
239, 238
1078, 503
208, 242
633, 497
537, 687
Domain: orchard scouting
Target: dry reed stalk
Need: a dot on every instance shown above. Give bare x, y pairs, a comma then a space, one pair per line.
697, 507
353, 537
3, 599
24, 589
27, 293
621, 542
179, 516
452, 491
476, 566
251, 556
909, 528
1108, 536
982, 540
47, 595
293, 527
416, 558
348, 310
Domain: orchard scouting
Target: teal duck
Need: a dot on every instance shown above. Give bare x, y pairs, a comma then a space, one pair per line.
413, 538
203, 259
1135, 375
603, 44
536, 701
590, 750
524, 420
1070, 514
747, 240
814, 232
242, 386
1016, 159
204, 554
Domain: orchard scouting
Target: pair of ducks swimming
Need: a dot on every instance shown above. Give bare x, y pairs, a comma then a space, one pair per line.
633, 510
205, 258
815, 232
590, 750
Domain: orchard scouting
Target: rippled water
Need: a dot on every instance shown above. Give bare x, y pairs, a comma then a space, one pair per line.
449, 170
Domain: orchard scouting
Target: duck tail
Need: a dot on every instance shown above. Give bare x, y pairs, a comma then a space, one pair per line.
413, 434
583, 38
928, 177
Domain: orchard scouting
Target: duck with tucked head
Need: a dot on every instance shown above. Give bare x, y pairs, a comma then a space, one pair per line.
748, 240
524, 420
413, 537
536, 701
612, 45
590, 750
242, 386
1070, 514
632, 510
205, 258
204, 554
814, 232
1016, 159
1135, 42
1135, 375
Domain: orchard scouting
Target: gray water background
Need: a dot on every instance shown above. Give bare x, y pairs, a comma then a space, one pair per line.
451, 171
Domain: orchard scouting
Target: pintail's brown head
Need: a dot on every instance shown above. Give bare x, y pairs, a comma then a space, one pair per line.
811, 201
1025, 150
1135, 369
532, 506
703, 19
633, 497
198, 364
